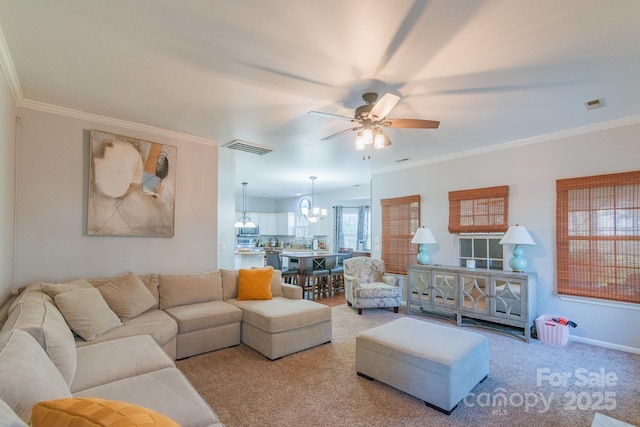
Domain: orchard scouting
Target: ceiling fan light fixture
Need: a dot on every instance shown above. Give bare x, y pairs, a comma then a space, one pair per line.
378, 140
367, 135
359, 142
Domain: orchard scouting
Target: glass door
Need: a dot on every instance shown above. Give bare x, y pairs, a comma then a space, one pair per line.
475, 293
508, 297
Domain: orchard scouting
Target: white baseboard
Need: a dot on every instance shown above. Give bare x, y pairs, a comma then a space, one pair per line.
605, 344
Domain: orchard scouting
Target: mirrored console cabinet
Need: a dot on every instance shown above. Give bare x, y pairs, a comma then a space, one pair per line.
492, 297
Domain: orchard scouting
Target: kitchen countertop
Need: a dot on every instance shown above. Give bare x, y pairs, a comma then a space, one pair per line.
252, 252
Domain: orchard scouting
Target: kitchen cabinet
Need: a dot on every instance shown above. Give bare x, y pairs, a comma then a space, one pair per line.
248, 259
285, 224
494, 296
265, 220
273, 224
267, 223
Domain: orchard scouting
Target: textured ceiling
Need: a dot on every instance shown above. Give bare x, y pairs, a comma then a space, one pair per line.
492, 72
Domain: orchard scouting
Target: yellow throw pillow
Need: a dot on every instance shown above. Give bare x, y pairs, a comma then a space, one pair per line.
254, 284
92, 412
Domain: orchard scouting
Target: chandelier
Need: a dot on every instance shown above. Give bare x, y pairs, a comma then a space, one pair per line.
312, 213
244, 220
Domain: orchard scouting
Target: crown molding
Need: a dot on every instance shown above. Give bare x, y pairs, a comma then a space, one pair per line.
110, 121
10, 71
513, 144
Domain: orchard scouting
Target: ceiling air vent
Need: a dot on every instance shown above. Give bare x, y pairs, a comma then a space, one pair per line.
248, 147
594, 103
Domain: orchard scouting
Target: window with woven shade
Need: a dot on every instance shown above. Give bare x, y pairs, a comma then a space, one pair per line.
400, 219
598, 236
481, 210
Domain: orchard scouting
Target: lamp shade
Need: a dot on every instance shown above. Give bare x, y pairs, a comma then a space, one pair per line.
423, 235
517, 235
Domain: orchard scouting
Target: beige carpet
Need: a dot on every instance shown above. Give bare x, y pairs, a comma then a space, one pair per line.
319, 386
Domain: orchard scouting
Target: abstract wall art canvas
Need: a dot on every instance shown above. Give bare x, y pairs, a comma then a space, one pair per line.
132, 187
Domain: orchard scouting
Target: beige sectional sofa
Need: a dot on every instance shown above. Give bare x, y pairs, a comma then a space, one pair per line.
117, 338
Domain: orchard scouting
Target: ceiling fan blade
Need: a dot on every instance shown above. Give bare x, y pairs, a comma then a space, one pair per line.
387, 141
335, 116
384, 106
342, 132
411, 123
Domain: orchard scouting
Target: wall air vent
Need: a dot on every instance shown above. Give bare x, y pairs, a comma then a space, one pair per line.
248, 147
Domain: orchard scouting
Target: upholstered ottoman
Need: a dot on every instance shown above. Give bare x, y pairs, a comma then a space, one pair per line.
282, 326
437, 364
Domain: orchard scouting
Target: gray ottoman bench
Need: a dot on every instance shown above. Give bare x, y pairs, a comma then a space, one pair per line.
437, 364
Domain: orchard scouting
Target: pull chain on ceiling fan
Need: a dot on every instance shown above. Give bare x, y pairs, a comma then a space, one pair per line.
372, 116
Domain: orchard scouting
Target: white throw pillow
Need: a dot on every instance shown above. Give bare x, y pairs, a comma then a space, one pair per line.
87, 313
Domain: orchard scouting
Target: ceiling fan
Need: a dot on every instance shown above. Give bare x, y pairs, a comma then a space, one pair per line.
373, 115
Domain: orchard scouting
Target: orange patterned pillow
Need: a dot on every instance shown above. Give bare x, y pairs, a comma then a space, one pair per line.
254, 284
92, 412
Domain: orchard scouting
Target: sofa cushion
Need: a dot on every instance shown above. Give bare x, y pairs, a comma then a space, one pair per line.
87, 313
254, 284
53, 289
30, 292
8, 418
27, 374
282, 314
39, 317
91, 412
204, 315
154, 322
128, 357
127, 296
367, 290
173, 395
230, 283
181, 289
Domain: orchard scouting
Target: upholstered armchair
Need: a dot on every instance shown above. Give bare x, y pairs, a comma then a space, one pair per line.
367, 286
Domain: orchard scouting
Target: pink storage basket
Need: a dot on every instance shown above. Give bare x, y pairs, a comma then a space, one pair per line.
550, 331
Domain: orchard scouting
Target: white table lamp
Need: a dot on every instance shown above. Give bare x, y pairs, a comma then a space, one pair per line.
424, 237
517, 235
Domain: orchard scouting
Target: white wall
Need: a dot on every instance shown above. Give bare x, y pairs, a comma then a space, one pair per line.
53, 164
226, 208
8, 113
531, 172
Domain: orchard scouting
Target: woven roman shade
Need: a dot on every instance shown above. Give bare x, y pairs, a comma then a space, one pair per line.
598, 236
481, 210
400, 219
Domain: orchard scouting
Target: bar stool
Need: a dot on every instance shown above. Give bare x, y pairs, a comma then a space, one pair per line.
288, 275
337, 271
317, 277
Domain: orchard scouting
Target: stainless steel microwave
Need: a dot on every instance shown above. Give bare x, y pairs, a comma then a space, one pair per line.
248, 231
